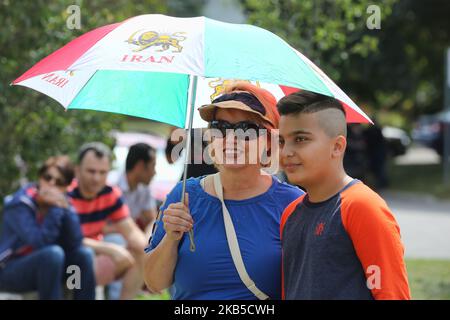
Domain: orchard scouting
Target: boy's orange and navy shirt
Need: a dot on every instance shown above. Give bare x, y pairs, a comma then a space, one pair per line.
347, 247
94, 213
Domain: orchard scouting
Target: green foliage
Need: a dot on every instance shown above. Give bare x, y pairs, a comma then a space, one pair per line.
33, 126
397, 69
330, 32
408, 70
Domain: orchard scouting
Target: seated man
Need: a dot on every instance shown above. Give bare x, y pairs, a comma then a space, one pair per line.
41, 237
98, 203
134, 184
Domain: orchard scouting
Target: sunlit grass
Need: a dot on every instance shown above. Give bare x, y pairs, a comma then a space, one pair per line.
429, 279
163, 296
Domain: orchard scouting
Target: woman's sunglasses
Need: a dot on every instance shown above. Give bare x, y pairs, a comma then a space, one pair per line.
58, 181
224, 126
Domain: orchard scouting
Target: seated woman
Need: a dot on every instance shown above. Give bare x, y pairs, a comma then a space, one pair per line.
242, 117
41, 237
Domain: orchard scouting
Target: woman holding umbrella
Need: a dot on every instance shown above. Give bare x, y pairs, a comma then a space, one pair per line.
235, 213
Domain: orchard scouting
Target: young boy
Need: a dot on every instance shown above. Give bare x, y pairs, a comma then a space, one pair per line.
340, 240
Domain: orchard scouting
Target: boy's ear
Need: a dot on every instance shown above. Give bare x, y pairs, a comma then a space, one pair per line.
339, 146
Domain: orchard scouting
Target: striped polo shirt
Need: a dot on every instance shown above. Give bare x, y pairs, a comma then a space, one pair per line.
94, 213
347, 247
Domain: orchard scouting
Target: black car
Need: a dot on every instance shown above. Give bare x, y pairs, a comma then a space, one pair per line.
429, 130
397, 141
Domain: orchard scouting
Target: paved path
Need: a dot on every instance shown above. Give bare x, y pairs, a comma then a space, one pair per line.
417, 154
424, 224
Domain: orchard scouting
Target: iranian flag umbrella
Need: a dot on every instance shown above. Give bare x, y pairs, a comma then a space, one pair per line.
160, 67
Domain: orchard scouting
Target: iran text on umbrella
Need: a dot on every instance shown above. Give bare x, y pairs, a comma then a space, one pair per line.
147, 66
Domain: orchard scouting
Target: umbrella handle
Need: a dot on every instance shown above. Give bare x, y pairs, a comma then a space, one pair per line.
191, 232
192, 93
191, 239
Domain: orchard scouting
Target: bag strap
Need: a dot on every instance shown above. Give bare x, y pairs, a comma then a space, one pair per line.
202, 183
234, 245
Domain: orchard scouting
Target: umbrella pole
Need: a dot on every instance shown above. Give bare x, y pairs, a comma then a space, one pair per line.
192, 93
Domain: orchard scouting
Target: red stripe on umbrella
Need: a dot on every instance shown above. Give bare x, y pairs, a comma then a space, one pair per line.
64, 57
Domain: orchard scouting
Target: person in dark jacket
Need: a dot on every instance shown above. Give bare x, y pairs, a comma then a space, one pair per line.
41, 237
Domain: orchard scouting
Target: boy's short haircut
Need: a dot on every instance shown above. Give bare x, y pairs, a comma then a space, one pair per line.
100, 149
332, 120
307, 102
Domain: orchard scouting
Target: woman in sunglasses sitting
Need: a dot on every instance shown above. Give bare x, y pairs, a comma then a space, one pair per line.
41, 237
237, 244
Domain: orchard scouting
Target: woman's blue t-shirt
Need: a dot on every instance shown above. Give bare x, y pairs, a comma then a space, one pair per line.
209, 272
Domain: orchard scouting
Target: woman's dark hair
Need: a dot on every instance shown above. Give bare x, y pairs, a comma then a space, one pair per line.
62, 164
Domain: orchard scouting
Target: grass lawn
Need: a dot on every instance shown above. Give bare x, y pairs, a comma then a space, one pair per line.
419, 178
164, 296
429, 279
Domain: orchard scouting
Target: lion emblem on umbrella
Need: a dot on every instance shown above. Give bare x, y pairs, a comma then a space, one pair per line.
152, 38
219, 85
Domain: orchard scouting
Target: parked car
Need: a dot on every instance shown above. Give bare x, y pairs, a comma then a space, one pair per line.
429, 130
397, 141
167, 175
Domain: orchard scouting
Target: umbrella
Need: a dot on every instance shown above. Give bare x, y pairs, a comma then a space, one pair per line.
155, 66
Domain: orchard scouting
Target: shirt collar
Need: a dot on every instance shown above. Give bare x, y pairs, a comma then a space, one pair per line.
123, 183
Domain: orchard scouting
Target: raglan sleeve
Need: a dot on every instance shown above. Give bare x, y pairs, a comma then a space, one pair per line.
376, 238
